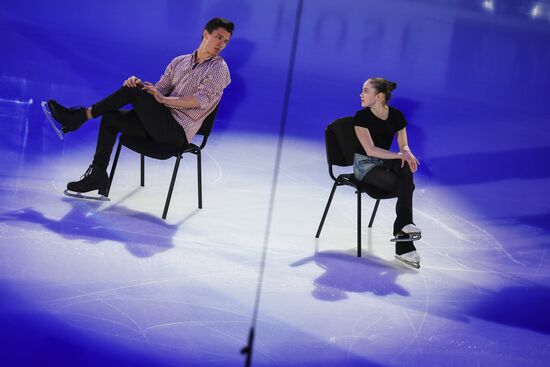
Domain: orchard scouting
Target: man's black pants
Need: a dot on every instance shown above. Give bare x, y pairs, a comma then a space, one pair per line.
148, 120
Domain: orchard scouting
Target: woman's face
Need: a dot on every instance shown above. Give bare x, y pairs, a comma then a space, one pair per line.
368, 95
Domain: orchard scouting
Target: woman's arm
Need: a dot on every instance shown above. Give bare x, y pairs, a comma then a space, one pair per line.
406, 154
365, 139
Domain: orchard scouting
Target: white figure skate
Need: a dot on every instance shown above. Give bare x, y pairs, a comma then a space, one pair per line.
408, 233
410, 258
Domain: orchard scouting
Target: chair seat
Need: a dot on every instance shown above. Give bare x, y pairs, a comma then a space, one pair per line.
151, 149
373, 191
147, 147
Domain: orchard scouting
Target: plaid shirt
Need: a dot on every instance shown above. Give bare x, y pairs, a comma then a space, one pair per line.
205, 81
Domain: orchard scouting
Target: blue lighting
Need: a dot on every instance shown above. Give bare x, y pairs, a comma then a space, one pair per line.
113, 284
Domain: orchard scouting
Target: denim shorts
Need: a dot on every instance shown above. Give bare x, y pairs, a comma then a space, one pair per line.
362, 164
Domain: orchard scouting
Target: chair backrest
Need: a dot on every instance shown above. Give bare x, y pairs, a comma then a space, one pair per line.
206, 127
341, 142
208, 122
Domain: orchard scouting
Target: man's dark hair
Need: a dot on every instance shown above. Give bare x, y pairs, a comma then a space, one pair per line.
216, 23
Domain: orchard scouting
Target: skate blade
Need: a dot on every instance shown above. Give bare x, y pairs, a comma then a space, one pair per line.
414, 265
79, 195
413, 237
51, 120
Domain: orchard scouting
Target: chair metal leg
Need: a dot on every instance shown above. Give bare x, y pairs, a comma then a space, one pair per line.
142, 170
113, 167
358, 223
172, 182
374, 213
326, 209
199, 175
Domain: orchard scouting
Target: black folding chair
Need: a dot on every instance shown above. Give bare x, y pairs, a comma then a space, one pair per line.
341, 143
153, 150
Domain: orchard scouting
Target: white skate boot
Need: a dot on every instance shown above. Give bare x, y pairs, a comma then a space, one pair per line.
410, 258
408, 233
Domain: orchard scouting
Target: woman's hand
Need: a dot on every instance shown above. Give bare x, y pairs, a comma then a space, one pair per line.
150, 88
132, 82
411, 160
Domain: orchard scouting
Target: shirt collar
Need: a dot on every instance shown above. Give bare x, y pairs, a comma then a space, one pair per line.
195, 53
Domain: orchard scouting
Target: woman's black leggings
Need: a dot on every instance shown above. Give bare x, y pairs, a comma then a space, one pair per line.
149, 120
398, 181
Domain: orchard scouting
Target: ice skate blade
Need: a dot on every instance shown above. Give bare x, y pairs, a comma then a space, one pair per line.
79, 195
411, 264
51, 120
413, 237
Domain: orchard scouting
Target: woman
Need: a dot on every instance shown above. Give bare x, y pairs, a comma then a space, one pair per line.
376, 125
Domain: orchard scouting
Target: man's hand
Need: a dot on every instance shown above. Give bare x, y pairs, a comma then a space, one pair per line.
410, 159
133, 82
150, 88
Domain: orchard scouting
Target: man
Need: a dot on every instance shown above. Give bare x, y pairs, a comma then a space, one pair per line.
169, 112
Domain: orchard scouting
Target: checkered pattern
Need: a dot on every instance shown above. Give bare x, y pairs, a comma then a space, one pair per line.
205, 81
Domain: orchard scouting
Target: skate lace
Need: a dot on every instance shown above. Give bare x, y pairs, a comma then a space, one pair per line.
87, 173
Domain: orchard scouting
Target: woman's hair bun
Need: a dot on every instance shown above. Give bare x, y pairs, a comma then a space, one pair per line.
382, 85
391, 86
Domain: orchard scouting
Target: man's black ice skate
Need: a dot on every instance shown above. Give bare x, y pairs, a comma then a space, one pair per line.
408, 233
54, 124
63, 119
94, 179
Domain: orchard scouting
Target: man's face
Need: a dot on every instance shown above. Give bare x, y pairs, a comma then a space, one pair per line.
216, 41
